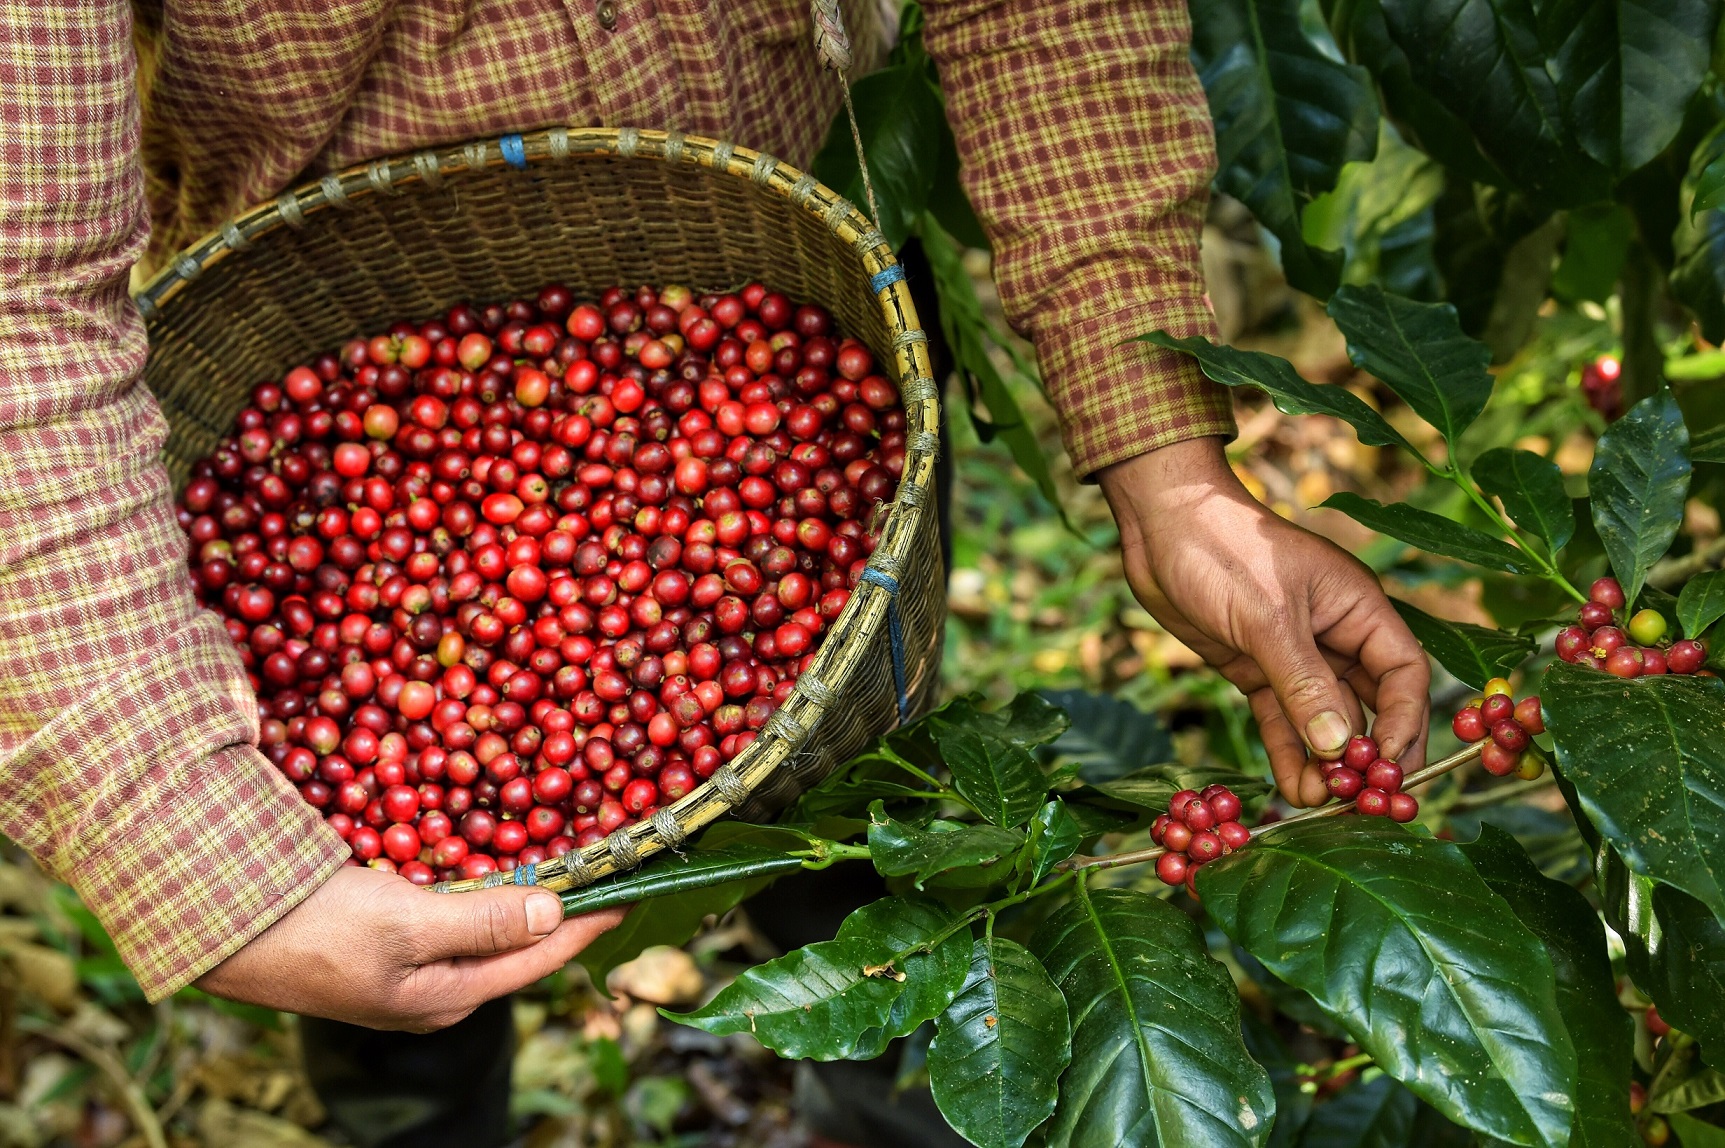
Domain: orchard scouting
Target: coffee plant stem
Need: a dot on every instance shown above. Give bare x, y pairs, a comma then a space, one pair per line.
1319, 1073
941, 792
987, 911
1334, 809
1552, 573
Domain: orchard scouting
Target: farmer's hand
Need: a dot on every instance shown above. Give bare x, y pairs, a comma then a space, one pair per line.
371, 949
1300, 626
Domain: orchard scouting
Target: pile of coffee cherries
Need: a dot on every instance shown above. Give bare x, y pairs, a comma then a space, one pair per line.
1371, 781
511, 579
1633, 650
1198, 827
1509, 725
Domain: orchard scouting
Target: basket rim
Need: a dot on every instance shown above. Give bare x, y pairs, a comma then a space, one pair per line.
873, 598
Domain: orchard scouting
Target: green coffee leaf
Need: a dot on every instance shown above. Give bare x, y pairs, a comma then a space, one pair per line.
995, 1063
1695, 1134
999, 777
1054, 836
1153, 787
1702, 602
1647, 762
1419, 352
901, 850
1291, 394
933, 971
1108, 736
1432, 533
1474, 654
1706, 1087
1287, 117
1586, 989
1397, 938
1157, 1056
1674, 946
900, 116
1638, 482
672, 873
1698, 274
1378, 1113
835, 1000
1531, 488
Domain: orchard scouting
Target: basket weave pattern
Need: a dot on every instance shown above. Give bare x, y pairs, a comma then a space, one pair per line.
588, 207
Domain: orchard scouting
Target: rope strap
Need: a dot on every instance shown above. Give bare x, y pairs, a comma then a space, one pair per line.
527, 874
895, 634
881, 280
833, 46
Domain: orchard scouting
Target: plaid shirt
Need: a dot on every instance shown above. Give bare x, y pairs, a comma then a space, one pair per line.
127, 728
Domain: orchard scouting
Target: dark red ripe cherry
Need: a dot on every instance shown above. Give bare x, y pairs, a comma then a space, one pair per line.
1223, 802
1345, 783
1233, 834
1572, 642
1404, 807
1360, 753
1497, 760
1529, 715
1171, 868
1607, 592
1496, 708
1205, 846
1469, 725
1385, 775
1177, 836
1373, 803
1624, 662
1686, 656
1510, 735
1596, 614
1198, 814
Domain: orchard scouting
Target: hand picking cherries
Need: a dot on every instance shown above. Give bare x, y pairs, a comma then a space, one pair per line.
1635, 649
1371, 781
1509, 725
1198, 827
509, 580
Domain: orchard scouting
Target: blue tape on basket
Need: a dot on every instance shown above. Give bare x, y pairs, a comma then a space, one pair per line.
880, 281
514, 154
526, 874
895, 634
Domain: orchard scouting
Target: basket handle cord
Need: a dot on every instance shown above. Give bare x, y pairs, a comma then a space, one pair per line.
833, 46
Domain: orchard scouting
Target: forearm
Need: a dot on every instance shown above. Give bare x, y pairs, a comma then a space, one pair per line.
1087, 151
127, 726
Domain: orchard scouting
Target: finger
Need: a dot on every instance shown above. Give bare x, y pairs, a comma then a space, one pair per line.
1390, 655
483, 922
1299, 779
1308, 690
483, 978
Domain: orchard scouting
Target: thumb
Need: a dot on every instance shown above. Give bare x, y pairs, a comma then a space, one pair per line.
1307, 690
485, 922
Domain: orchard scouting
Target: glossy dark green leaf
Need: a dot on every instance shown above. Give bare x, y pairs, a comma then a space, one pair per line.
1531, 487
1586, 989
1698, 240
1028, 720
1626, 69
1054, 836
1674, 945
969, 335
998, 776
1293, 1098
933, 974
901, 119
1706, 1086
1419, 352
663, 920
1157, 1056
1648, 763
1693, 1133
1376, 1114
1287, 117
1001, 1045
1485, 62
901, 850
1398, 939
834, 1000
1432, 533
1638, 482
1702, 602
1474, 654
1595, 243
1153, 787
672, 873
1108, 736
1291, 394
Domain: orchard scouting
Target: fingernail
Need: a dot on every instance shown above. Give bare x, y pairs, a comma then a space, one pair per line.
544, 914
1327, 733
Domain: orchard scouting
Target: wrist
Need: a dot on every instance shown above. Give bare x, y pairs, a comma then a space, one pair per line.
1170, 480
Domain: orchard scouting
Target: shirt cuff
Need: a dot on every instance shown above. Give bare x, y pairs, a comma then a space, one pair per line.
203, 844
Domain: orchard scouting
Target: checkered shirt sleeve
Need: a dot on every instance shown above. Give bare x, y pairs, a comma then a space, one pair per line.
1087, 149
128, 730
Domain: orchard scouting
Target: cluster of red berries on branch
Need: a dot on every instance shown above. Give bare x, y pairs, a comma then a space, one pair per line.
514, 578
1197, 828
1371, 781
1602, 386
1633, 650
1506, 726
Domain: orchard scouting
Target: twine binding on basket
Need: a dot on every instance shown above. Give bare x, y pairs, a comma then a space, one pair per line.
895, 632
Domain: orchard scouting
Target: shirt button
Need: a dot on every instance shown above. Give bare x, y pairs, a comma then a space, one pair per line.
606, 10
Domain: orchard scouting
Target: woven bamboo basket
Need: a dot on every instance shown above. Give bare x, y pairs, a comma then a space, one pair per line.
588, 207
